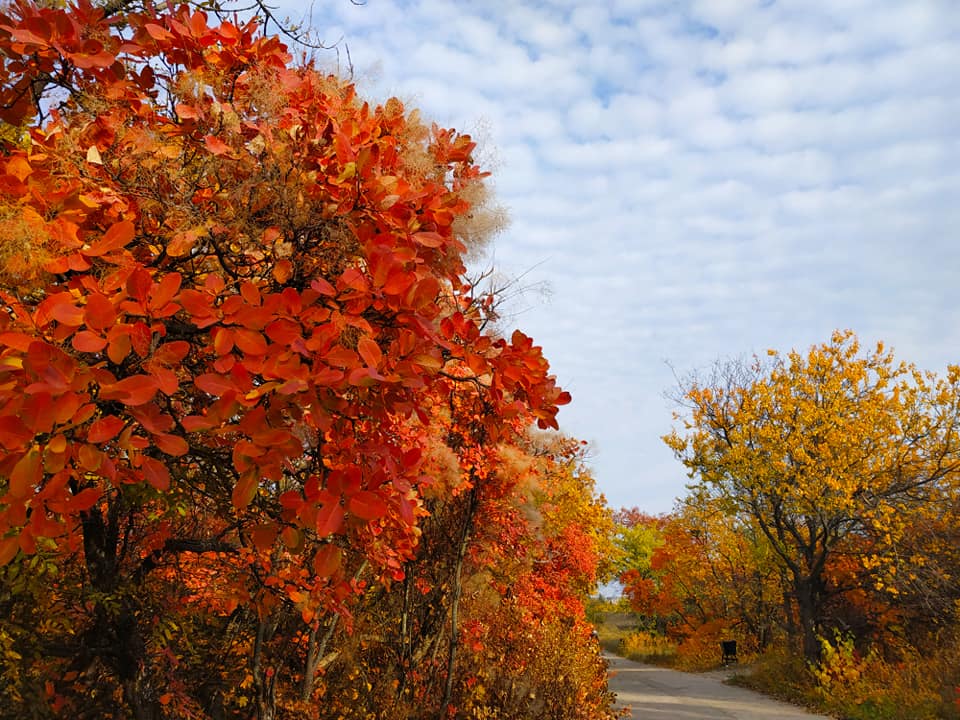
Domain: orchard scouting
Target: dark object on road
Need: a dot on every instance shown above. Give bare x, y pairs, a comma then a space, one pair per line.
728, 651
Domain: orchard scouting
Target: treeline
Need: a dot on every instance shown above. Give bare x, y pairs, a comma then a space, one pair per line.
821, 530
265, 452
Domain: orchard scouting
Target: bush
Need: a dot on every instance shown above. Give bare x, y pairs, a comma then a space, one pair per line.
648, 647
869, 687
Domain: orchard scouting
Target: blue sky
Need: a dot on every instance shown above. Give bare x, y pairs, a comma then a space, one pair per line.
693, 180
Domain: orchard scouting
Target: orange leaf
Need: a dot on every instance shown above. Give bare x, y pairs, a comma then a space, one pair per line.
9, 547
369, 351
283, 271
119, 347
250, 341
115, 238
134, 390
171, 444
157, 32
429, 239
99, 312
26, 474
327, 560
90, 457
245, 489
215, 145
62, 308
87, 341
165, 291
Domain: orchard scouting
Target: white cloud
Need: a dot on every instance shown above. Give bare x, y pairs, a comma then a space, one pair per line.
698, 179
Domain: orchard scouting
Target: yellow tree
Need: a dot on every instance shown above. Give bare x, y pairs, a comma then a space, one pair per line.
819, 448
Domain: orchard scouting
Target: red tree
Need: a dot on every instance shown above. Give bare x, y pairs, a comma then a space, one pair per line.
232, 291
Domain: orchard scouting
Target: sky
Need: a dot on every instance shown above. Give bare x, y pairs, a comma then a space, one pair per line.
690, 181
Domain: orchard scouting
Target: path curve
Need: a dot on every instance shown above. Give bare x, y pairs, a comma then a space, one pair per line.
656, 693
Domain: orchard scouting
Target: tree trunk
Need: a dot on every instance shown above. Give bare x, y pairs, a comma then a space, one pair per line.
808, 605
455, 601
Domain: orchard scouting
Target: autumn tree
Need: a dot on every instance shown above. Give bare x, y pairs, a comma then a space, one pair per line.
831, 449
233, 298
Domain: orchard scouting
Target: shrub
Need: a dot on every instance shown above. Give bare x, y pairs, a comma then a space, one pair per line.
869, 687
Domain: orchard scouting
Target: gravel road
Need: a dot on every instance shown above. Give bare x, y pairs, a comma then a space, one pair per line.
655, 693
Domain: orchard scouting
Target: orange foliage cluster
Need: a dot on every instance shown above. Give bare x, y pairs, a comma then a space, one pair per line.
254, 420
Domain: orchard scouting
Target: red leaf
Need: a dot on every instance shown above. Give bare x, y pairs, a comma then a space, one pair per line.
215, 384
99, 312
155, 473
171, 353
85, 499
250, 341
104, 429
115, 238
341, 357
133, 390
284, 331
250, 293
215, 145
87, 341
398, 282
167, 380
264, 535
291, 500
165, 291
171, 444
330, 518
369, 351
429, 239
119, 346
158, 32
197, 423
15, 340
9, 547
323, 287
13, 433
140, 284
64, 311
141, 337
367, 505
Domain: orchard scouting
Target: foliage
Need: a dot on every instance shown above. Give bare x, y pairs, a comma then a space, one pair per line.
824, 504
867, 686
826, 453
648, 647
259, 433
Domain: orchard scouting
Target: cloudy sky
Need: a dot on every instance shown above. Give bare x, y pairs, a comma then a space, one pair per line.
693, 180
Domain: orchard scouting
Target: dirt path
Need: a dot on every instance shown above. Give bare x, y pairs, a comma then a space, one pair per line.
656, 693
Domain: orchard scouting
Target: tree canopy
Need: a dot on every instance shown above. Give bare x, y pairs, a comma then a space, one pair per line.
826, 453
243, 379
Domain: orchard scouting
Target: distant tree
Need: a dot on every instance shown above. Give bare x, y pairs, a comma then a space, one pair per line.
833, 449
